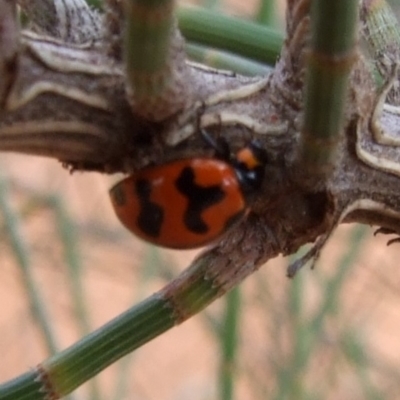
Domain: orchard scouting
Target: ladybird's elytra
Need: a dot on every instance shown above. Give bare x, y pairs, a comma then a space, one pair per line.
191, 202
185, 203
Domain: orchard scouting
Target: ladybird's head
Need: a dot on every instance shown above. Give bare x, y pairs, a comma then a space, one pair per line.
249, 165
249, 162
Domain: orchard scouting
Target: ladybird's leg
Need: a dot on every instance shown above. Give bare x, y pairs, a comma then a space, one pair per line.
220, 145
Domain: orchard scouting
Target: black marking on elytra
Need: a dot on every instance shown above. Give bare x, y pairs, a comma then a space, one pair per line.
199, 199
151, 215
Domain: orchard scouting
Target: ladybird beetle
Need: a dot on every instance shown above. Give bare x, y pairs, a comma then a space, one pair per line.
189, 202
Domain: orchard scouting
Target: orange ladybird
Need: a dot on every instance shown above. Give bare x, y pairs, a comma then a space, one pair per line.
190, 202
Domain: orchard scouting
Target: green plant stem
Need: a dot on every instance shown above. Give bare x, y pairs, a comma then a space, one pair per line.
153, 54
306, 331
224, 60
240, 37
59, 375
266, 14
69, 238
332, 53
148, 268
95, 3
22, 256
380, 29
229, 344
355, 351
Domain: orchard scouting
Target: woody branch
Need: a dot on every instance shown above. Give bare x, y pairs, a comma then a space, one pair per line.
68, 96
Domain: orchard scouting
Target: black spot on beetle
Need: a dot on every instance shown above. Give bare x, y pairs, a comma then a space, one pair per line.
151, 215
199, 199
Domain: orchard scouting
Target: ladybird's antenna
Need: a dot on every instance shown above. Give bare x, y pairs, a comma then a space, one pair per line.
220, 145
208, 139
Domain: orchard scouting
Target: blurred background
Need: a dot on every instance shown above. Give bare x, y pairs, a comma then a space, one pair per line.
330, 333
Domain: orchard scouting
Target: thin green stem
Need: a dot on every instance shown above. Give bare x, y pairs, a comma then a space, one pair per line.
147, 269
155, 64
332, 53
191, 292
22, 256
380, 29
70, 238
95, 3
224, 60
229, 344
266, 14
211, 4
147, 36
334, 285
306, 331
289, 377
75, 365
240, 37
355, 351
